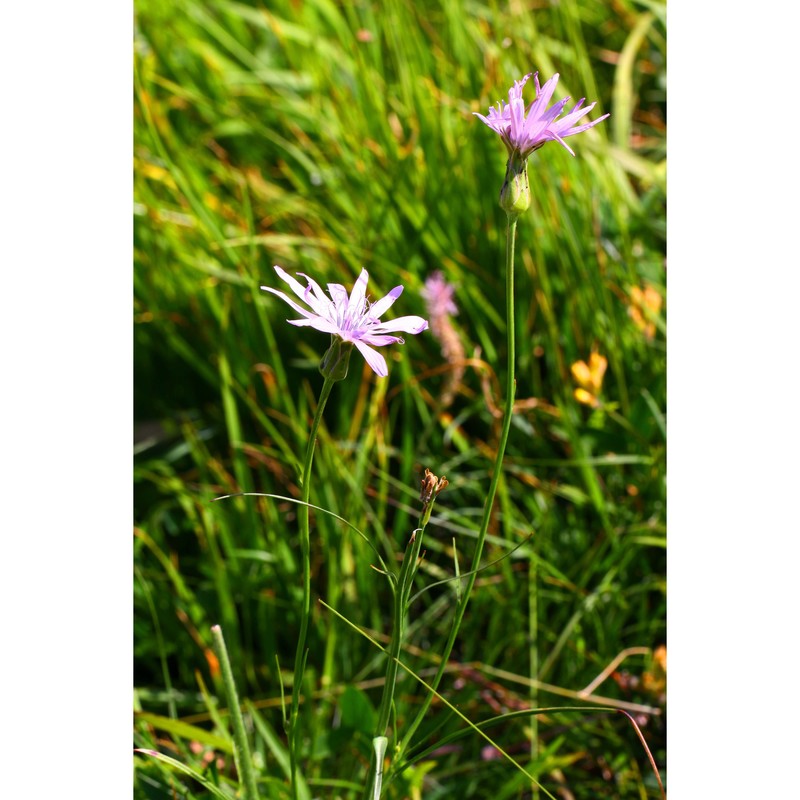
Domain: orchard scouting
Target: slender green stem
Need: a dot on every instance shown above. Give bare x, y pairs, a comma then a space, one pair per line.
241, 750
533, 647
402, 591
305, 552
401, 595
461, 607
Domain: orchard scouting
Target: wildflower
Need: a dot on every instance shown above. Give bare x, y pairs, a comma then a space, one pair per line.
654, 679
350, 320
644, 307
589, 378
525, 131
438, 296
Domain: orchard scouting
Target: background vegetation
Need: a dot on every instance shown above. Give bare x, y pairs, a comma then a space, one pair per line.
327, 137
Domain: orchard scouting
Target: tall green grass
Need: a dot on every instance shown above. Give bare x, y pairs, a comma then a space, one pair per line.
328, 137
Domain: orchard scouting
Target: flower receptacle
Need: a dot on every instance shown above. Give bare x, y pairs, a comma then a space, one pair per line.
336, 359
515, 196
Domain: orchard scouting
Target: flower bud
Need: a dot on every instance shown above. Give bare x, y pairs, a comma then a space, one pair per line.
336, 359
429, 491
515, 196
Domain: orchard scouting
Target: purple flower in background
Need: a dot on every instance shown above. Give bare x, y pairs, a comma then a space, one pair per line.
525, 131
352, 319
438, 296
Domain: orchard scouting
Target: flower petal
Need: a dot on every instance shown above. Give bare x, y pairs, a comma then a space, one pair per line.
554, 137
573, 116
299, 309
323, 305
378, 309
582, 128
339, 295
407, 324
297, 287
544, 97
357, 296
517, 112
320, 324
375, 360
497, 123
380, 339
515, 92
554, 111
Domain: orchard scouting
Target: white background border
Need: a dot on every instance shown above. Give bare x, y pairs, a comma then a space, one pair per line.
66, 248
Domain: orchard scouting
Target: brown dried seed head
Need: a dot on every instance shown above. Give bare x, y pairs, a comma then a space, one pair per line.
431, 486
428, 487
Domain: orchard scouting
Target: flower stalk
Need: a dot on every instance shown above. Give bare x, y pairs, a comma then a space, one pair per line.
431, 487
305, 558
510, 391
523, 129
353, 322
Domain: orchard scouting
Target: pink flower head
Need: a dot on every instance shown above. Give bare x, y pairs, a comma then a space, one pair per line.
353, 319
527, 130
438, 295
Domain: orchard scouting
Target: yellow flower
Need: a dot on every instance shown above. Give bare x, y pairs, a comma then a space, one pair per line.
589, 378
654, 679
645, 304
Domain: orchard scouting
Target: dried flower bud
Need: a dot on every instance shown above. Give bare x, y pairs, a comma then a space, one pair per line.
431, 486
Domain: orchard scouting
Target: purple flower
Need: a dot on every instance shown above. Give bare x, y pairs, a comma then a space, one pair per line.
524, 131
438, 296
352, 319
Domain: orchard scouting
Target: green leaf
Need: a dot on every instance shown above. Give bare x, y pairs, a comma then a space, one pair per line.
357, 711
180, 767
185, 731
